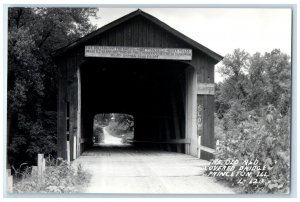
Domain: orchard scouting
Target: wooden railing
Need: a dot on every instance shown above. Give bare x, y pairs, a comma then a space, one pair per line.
204, 148
171, 141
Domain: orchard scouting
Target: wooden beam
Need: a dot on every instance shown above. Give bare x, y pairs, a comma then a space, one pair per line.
171, 141
179, 141
207, 149
206, 89
85, 140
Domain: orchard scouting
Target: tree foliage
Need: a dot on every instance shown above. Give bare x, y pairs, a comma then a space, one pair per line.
253, 116
33, 33
126, 121
102, 120
122, 126
255, 81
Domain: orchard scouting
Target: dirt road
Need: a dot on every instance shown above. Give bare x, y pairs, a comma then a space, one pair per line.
125, 170
109, 139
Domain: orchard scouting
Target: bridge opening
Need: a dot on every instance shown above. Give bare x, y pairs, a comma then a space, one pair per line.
113, 129
152, 92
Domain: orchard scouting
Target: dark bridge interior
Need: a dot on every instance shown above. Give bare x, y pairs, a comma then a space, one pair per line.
153, 91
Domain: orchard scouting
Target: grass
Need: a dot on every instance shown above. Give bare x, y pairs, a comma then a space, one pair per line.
59, 177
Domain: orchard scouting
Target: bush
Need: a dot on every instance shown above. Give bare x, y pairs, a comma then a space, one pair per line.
59, 177
263, 135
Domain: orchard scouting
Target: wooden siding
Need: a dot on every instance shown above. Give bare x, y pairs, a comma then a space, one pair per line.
205, 103
138, 32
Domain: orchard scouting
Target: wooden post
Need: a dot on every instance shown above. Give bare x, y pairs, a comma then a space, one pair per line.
68, 151
9, 181
191, 111
78, 111
199, 146
74, 148
217, 145
41, 166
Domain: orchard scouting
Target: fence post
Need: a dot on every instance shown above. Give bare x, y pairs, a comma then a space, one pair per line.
9, 181
44, 165
41, 166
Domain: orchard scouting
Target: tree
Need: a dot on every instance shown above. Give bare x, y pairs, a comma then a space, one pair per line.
102, 120
234, 69
126, 121
277, 75
253, 121
255, 81
33, 34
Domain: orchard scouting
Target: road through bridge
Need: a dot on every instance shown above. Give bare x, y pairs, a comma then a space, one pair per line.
124, 169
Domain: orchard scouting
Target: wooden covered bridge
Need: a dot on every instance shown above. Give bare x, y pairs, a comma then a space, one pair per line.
138, 65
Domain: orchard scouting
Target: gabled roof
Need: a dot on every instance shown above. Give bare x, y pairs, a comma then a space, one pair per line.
131, 15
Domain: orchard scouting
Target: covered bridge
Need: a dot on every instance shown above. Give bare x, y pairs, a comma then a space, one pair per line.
138, 65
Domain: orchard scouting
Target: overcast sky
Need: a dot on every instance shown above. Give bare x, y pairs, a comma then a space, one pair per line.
221, 29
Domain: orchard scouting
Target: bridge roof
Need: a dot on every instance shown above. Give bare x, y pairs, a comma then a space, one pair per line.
151, 18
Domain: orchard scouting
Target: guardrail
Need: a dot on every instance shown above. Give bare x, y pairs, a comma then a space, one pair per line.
204, 148
171, 141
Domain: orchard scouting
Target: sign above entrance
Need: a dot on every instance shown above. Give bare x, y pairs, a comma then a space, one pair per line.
138, 52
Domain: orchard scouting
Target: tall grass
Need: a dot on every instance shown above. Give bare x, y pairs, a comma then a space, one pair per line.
59, 177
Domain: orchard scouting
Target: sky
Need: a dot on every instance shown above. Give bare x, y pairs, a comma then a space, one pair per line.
221, 29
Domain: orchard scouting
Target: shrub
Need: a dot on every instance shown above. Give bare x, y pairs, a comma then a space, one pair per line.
265, 136
59, 177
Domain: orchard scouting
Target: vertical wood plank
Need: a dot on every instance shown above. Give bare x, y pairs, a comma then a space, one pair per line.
68, 151
135, 33
140, 32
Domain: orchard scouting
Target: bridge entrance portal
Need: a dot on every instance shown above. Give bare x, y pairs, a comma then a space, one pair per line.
140, 66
